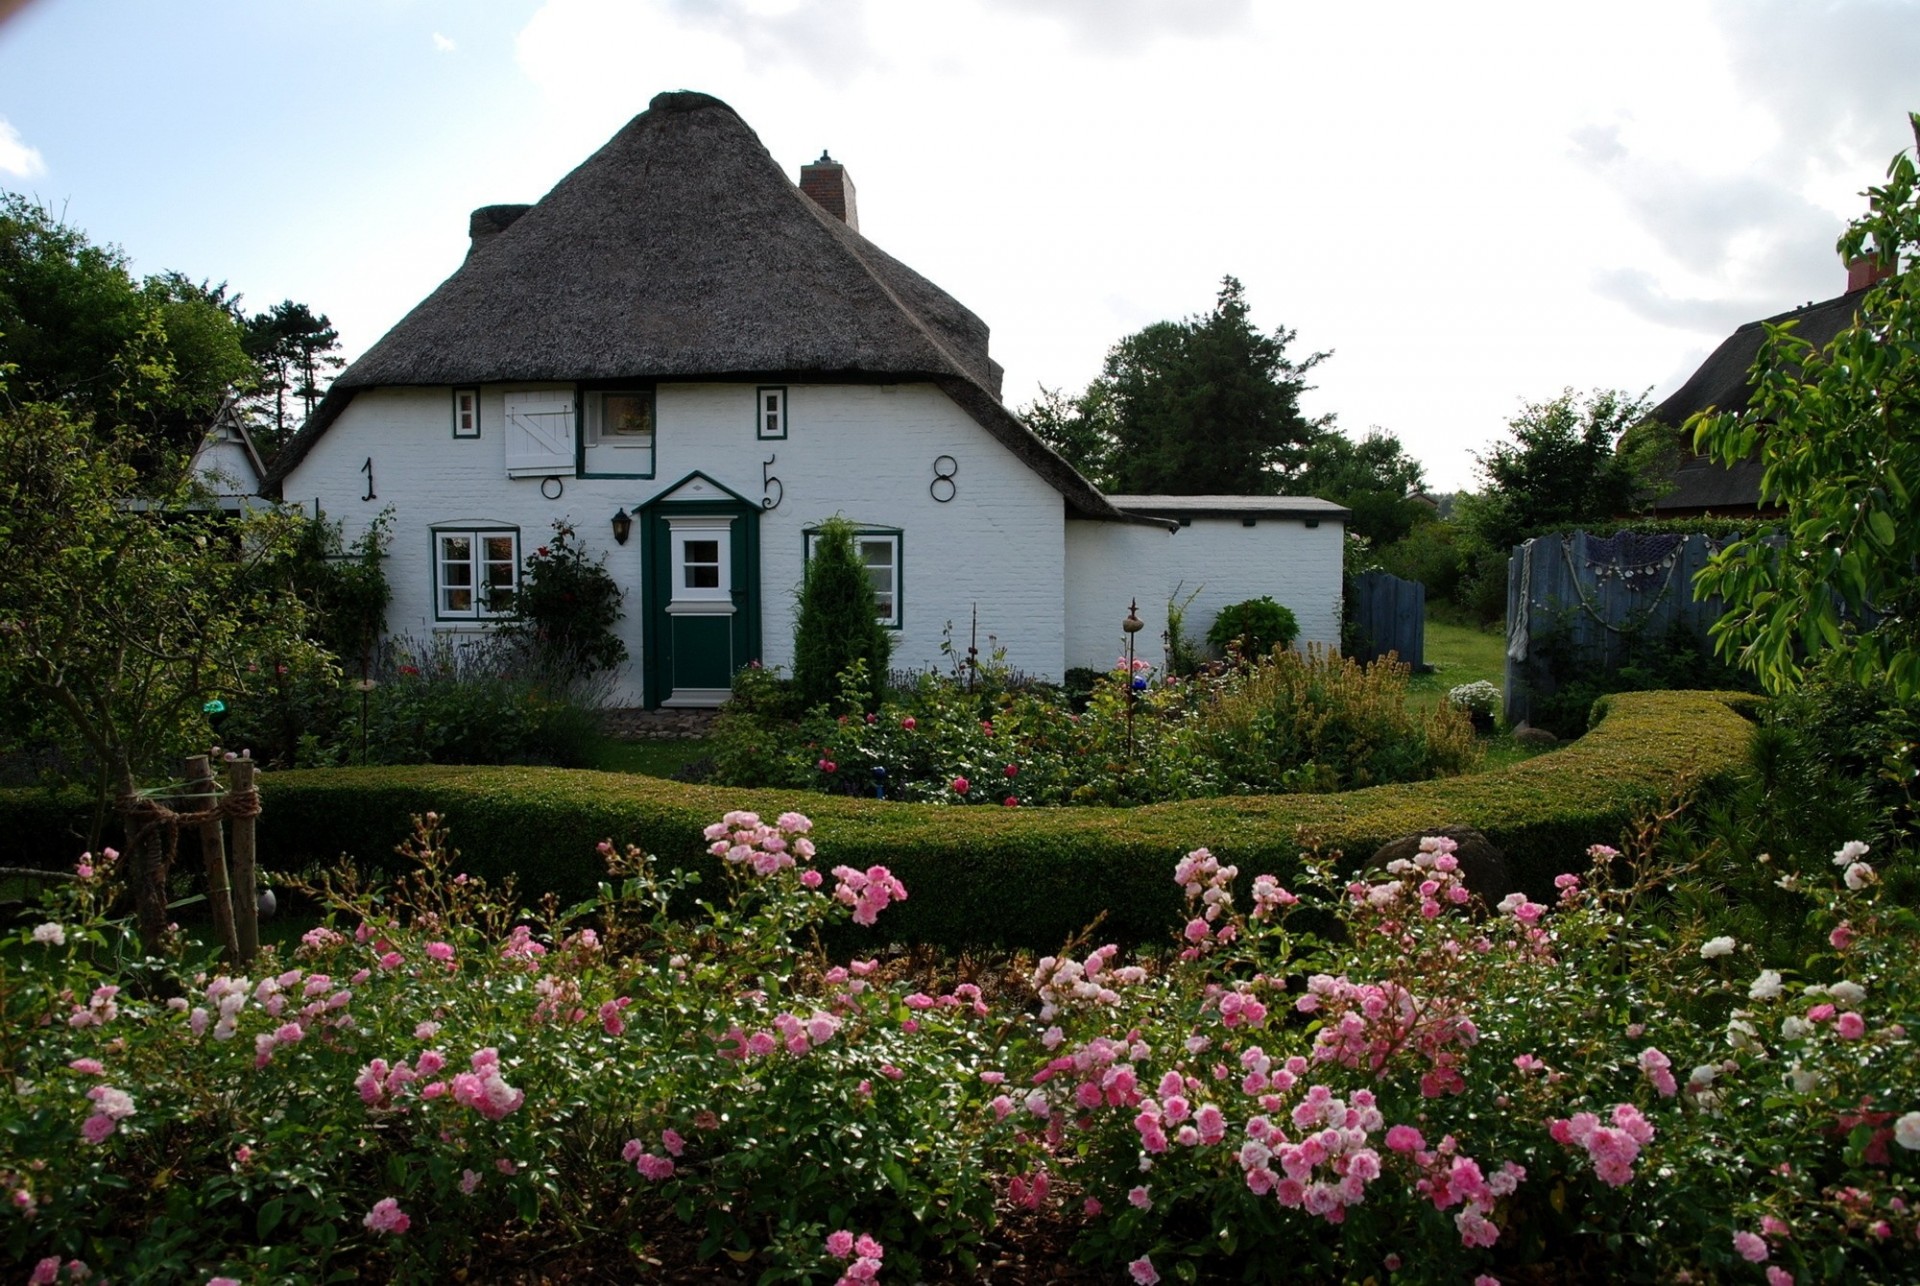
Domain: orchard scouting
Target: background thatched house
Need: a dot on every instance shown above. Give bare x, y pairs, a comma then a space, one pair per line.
678, 334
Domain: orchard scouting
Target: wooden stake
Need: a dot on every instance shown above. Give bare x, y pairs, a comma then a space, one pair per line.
246, 899
213, 850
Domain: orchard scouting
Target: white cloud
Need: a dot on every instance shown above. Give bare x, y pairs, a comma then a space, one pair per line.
16, 158
443, 43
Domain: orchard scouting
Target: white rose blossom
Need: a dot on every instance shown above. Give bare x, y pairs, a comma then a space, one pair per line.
50, 934
1906, 1131
1847, 993
1850, 852
1713, 948
1766, 986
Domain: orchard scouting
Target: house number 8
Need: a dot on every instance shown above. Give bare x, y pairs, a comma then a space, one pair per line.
943, 488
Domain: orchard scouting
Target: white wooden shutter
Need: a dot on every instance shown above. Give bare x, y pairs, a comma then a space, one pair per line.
539, 434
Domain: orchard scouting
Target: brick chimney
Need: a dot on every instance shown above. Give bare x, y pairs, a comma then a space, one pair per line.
1865, 271
827, 183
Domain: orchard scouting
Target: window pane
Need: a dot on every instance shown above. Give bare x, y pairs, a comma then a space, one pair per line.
457, 600
627, 415
456, 547
701, 560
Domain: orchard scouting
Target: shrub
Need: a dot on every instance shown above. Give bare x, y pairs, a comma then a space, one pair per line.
1650, 661
1253, 628
565, 609
838, 620
1025, 876
1603, 1085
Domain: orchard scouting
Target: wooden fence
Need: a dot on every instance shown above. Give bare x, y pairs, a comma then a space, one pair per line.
1389, 615
1594, 593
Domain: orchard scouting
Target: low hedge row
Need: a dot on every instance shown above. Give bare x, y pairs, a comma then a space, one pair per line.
985, 875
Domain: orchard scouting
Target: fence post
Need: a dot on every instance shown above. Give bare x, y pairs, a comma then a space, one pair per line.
246, 904
213, 851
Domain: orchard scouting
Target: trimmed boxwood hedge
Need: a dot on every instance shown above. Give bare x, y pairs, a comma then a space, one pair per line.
987, 875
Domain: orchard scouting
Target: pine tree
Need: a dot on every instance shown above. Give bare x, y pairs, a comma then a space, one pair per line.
838, 622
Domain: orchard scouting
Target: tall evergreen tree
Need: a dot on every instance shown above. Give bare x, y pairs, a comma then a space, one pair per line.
1207, 405
839, 620
297, 351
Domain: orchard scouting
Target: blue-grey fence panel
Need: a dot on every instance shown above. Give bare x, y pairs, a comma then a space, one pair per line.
1593, 595
1390, 615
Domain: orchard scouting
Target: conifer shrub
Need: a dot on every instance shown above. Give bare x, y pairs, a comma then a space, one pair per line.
838, 621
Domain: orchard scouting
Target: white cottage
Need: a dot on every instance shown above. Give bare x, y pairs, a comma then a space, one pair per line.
695, 362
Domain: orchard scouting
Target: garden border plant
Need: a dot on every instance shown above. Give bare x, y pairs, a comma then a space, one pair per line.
1020, 877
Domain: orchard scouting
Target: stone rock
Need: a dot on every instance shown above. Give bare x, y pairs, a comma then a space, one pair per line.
1528, 735
1482, 866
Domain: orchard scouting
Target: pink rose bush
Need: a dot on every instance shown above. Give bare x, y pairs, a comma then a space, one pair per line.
1321, 1075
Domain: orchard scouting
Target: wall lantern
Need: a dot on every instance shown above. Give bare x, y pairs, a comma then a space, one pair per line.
622, 527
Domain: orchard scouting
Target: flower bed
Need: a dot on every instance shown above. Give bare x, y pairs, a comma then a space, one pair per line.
1597, 1088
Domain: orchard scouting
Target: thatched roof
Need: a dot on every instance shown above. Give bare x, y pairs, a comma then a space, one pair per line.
1701, 486
1721, 380
680, 250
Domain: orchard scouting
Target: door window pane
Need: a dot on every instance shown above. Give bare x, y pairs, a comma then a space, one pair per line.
702, 564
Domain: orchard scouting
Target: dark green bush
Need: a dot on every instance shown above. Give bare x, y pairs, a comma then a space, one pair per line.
838, 621
1024, 877
565, 609
1253, 628
1649, 662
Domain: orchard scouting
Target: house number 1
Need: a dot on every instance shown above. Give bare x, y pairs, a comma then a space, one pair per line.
367, 469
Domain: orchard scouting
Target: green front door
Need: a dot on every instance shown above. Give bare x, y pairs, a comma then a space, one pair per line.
700, 543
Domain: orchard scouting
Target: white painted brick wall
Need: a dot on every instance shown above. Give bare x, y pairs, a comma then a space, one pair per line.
863, 451
1109, 566
1280, 557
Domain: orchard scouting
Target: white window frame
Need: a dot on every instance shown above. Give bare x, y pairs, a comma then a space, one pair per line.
478, 588
702, 600
614, 453
892, 615
770, 413
466, 413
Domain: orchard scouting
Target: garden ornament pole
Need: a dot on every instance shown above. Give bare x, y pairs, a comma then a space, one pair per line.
1132, 626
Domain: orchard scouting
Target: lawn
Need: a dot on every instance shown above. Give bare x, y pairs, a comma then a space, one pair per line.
1464, 654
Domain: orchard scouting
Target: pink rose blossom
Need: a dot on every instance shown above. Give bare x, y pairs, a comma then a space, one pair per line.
386, 1216
1850, 1026
1143, 1272
1750, 1247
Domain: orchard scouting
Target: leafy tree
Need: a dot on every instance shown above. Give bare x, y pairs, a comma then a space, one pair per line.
1374, 477
297, 351
1838, 436
839, 620
1078, 429
152, 359
1560, 467
1196, 407
125, 610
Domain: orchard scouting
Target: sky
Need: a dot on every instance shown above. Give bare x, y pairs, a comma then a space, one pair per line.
1471, 206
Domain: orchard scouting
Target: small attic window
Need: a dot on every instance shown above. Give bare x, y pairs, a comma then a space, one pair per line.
620, 433
466, 413
770, 417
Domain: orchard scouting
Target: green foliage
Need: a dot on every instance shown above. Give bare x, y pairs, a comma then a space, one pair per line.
838, 620
481, 702
125, 610
1561, 467
1431, 553
1184, 657
566, 607
1022, 876
1253, 628
1564, 682
1201, 406
1834, 433
343, 585
1374, 477
295, 351
144, 361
